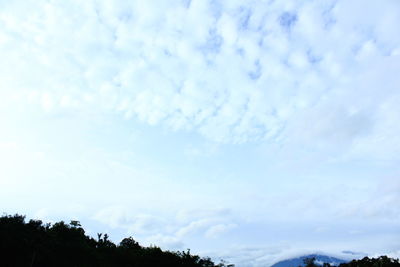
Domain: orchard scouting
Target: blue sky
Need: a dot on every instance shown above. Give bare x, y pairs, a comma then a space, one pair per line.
245, 130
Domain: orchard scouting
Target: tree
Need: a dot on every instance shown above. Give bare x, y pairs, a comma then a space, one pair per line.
129, 243
309, 262
36, 244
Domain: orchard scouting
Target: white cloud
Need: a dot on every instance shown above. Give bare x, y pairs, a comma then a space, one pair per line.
165, 241
133, 223
194, 227
208, 222
188, 215
219, 229
112, 216
188, 66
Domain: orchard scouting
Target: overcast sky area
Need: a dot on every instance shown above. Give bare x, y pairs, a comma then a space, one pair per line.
245, 130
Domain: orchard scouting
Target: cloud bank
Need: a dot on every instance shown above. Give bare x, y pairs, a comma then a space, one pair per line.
234, 72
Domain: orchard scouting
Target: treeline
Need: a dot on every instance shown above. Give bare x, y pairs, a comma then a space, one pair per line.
382, 261
35, 244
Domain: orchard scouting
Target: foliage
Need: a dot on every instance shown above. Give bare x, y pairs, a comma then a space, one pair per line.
382, 261
36, 244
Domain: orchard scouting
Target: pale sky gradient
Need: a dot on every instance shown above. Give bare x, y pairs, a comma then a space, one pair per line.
245, 130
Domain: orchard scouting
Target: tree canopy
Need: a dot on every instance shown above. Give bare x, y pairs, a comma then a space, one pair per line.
35, 244
382, 261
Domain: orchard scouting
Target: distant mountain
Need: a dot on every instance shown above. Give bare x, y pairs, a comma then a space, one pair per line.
319, 259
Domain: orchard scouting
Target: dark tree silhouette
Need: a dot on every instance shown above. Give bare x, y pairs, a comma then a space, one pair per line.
382, 261
36, 244
309, 262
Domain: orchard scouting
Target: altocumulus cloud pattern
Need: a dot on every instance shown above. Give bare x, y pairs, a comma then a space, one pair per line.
234, 71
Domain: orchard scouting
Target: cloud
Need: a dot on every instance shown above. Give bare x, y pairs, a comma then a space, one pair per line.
167, 231
287, 20
166, 241
133, 224
232, 73
258, 256
112, 216
187, 215
219, 229
208, 222
194, 227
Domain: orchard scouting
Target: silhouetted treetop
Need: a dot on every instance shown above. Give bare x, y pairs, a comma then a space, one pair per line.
36, 244
382, 261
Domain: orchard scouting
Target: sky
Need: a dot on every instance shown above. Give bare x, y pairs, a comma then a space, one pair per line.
251, 131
